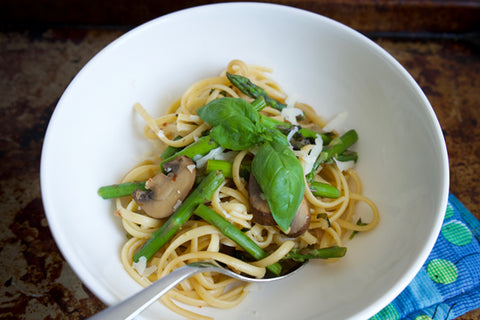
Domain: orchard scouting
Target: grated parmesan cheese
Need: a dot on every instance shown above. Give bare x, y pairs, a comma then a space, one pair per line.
226, 156
177, 204
226, 215
160, 134
300, 153
290, 114
202, 161
141, 267
344, 165
291, 134
335, 123
310, 158
290, 101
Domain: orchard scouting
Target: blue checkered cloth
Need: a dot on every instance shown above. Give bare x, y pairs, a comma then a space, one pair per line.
448, 284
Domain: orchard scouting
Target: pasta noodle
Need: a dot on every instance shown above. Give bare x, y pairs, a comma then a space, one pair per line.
332, 221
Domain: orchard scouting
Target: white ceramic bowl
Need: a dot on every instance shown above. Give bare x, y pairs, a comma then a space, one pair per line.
94, 137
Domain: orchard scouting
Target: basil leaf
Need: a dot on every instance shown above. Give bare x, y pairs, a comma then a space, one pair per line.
280, 176
237, 126
236, 123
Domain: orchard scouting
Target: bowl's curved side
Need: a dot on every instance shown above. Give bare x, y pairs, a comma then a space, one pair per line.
94, 137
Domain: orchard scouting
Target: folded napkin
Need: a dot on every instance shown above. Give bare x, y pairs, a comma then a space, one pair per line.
448, 284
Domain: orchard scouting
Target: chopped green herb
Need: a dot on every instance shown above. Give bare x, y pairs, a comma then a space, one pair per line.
359, 223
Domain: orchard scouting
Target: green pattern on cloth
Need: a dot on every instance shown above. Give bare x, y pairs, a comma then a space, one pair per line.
448, 284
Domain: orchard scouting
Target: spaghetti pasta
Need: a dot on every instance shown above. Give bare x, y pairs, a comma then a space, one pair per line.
331, 221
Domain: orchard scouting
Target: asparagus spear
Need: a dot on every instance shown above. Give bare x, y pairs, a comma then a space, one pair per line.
226, 168
220, 165
200, 147
324, 190
202, 193
300, 255
253, 91
333, 149
259, 103
235, 234
169, 151
120, 190
338, 145
348, 155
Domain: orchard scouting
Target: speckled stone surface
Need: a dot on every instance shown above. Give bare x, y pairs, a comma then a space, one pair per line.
365, 15
36, 66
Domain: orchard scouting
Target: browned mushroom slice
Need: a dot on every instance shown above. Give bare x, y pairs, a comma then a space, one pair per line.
301, 221
258, 204
167, 191
262, 214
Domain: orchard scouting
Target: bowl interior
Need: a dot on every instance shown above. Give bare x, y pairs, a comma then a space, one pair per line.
94, 137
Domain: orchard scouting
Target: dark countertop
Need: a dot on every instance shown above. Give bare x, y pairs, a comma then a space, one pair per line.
36, 65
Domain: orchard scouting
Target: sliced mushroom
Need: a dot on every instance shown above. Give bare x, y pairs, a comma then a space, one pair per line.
167, 191
263, 215
258, 204
301, 221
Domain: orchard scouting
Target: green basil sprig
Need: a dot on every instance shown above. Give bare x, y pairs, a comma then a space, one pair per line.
237, 126
280, 176
236, 123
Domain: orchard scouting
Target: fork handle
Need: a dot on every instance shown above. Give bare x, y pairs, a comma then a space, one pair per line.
132, 306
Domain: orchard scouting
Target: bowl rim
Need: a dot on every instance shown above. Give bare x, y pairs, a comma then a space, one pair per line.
89, 280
